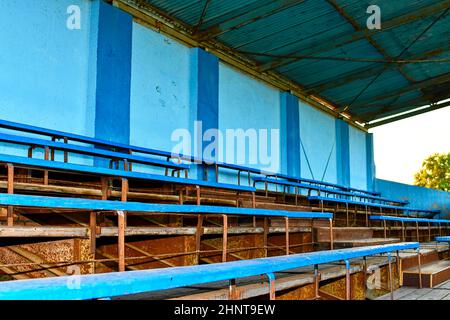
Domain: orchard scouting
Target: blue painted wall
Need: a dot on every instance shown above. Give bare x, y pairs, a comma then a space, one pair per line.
160, 90
358, 156
46, 77
417, 196
245, 103
124, 86
343, 152
318, 135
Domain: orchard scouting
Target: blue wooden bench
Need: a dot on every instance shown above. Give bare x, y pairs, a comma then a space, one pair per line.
121, 208
320, 189
442, 239
112, 155
120, 147
326, 184
267, 174
61, 135
116, 284
373, 205
105, 173
100, 171
416, 221
114, 146
368, 205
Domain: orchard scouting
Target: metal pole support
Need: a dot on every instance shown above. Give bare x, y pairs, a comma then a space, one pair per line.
347, 280
271, 278
391, 278
121, 239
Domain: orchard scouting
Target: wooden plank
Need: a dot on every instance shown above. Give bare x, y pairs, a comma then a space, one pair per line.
136, 231
36, 259
82, 232
106, 205
43, 231
22, 140
403, 291
89, 170
416, 294
435, 294
444, 285
432, 274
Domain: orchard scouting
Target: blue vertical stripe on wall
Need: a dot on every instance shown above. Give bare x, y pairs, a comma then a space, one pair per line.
290, 134
204, 99
112, 114
370, 166
343, 152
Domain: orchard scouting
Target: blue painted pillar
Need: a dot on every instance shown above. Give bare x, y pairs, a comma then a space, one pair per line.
112, 112
204, 98
370, 162
290, 135
342, 152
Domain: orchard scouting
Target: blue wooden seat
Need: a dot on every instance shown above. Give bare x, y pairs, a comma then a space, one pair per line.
442, 239
374, 205
116, 156
115, 284
326, 184
321, 189
79, 138
405, 219
108, 205
100, 171
416, 221
120, 147
267, 174
121, 208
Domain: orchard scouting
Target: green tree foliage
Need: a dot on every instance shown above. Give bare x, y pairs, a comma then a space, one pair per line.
435, 172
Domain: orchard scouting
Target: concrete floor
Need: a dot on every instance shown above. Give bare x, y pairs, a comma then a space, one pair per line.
440, 292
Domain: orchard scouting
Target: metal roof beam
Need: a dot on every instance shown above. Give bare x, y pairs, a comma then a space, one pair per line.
250, 16
368, 113
416, 86
202, 16
408, 115
230, 14
385, 111
364, 73
324, 46
374, 44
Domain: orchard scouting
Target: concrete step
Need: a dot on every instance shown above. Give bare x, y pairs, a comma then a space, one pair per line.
322, 234
341, 244
432, 274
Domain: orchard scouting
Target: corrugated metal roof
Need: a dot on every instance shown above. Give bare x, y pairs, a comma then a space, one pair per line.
297, 38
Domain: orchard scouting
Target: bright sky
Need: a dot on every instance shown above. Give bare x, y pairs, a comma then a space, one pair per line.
401, 146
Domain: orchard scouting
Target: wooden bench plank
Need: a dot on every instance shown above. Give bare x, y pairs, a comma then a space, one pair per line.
326, 190
108, 205
69, 167
368, 204
133, 282
90, 151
